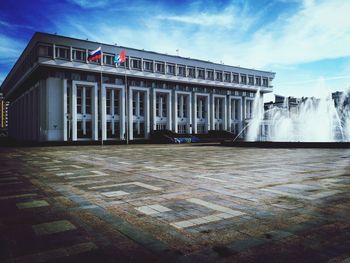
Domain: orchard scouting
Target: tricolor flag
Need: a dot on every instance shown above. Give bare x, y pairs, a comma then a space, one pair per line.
120, 58
95, 55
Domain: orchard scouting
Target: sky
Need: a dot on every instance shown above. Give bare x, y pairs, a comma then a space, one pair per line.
306, 42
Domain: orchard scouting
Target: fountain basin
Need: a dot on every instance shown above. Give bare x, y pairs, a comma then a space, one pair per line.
269, 144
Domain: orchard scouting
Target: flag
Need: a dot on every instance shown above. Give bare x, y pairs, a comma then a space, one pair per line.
120, 58
95, 55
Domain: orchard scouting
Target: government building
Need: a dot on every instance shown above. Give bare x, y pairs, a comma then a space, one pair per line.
57, 94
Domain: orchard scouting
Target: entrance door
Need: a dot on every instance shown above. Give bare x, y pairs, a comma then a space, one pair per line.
113, 109
183, 113
84, 112
202, 114
161, 111
138, 112
219, 108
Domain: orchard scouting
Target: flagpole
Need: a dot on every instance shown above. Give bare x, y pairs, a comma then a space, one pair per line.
101, 99
127, 104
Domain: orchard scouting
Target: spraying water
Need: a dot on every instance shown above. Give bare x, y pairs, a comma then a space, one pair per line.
312, 120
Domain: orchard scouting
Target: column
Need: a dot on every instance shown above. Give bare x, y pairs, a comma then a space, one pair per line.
229, 113
208, 112
122, 113
175, 96
112, 111
94, 113
131, 137
147, 115
189, 114
103, 113
212, 115
194, 113
169, 110
154, 111
224, 112
74, 111
65, 115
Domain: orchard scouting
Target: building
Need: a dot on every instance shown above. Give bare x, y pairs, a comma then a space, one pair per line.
56, 93
3, 112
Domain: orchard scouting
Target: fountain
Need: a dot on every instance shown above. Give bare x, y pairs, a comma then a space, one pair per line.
312, 120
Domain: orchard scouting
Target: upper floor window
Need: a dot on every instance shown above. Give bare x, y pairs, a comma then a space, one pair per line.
62, 52
108, 59
45, 50
250, 80
200, 73
181, 70
210, 74
160, 67
135, 63
227, 77
148, 65
191, 72
243, 79
258, 81
265, 82
235, 78
170, 69
218, 76
79, 54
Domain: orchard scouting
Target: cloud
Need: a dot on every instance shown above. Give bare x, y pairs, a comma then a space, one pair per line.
86, 4
10, 48
226, 18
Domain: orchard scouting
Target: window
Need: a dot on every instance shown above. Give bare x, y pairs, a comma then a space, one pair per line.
250, 80
210, 74
135, 63
243, 79
249, 109
170, 69
181, 70
235, 78
258, 81
161, 105
148, 65
79, 54
108, 59
108, 101
218, 76
227, 77
191, 72
116, 102
200, 73
265, 82
62, 52
160, 67
45, 50
235, 109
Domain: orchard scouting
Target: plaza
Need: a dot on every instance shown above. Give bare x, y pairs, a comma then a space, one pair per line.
174, 203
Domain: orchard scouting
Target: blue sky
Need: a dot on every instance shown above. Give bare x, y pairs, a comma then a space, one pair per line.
306, 42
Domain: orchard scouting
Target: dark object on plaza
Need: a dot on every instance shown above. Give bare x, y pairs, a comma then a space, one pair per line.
216, 136
268, 144
167, 136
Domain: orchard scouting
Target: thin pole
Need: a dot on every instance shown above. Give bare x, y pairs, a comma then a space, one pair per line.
127, 104
101, 101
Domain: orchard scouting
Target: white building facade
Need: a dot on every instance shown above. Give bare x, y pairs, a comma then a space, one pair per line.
56, 94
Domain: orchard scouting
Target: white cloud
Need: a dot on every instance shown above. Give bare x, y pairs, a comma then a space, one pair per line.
90, 4
318, 30
225, 19
10, 48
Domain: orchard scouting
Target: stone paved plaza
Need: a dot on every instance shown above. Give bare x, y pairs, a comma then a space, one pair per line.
174, 203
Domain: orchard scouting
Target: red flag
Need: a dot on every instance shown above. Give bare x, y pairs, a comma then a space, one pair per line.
122, 56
